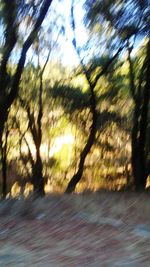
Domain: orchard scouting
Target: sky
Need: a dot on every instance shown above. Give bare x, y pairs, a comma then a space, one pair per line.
67, 52
70, 56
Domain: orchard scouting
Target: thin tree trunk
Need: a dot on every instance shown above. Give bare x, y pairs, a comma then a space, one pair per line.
3, 147
77, 176
4, 178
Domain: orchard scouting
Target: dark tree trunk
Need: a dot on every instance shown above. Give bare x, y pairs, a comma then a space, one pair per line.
140, 120
6, 99
144, 120
136, 158
3, 149
77, 177
3, 119
4, 178
37, 177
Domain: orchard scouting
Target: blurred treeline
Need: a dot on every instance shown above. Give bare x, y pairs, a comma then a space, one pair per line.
80, 126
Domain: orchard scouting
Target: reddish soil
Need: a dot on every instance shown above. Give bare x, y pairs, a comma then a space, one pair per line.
90, 230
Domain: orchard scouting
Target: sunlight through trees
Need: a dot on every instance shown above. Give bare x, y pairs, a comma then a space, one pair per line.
74, 96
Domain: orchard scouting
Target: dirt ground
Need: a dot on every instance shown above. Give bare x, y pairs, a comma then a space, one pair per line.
90, 230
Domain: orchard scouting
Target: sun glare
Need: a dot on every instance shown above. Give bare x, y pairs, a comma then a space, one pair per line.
66, 139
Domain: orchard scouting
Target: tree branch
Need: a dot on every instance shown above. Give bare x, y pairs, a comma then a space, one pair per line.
26, 46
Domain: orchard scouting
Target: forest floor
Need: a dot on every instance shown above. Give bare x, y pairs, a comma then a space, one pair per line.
90, 230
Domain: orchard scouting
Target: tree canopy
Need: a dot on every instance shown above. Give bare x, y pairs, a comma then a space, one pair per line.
84, 125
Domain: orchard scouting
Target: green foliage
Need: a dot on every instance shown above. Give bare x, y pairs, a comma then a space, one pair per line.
128, 17
72, 99
66, 98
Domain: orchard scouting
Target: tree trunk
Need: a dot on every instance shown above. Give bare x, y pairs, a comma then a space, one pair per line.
4, 178
139, 132
3, 149
77, 177
138, 166
37, 177
6, 100
144, 118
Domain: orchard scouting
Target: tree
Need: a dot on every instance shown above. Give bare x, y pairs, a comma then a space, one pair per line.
141, 96
4, 152
9, 86
128, 22
35, 127
93, 103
